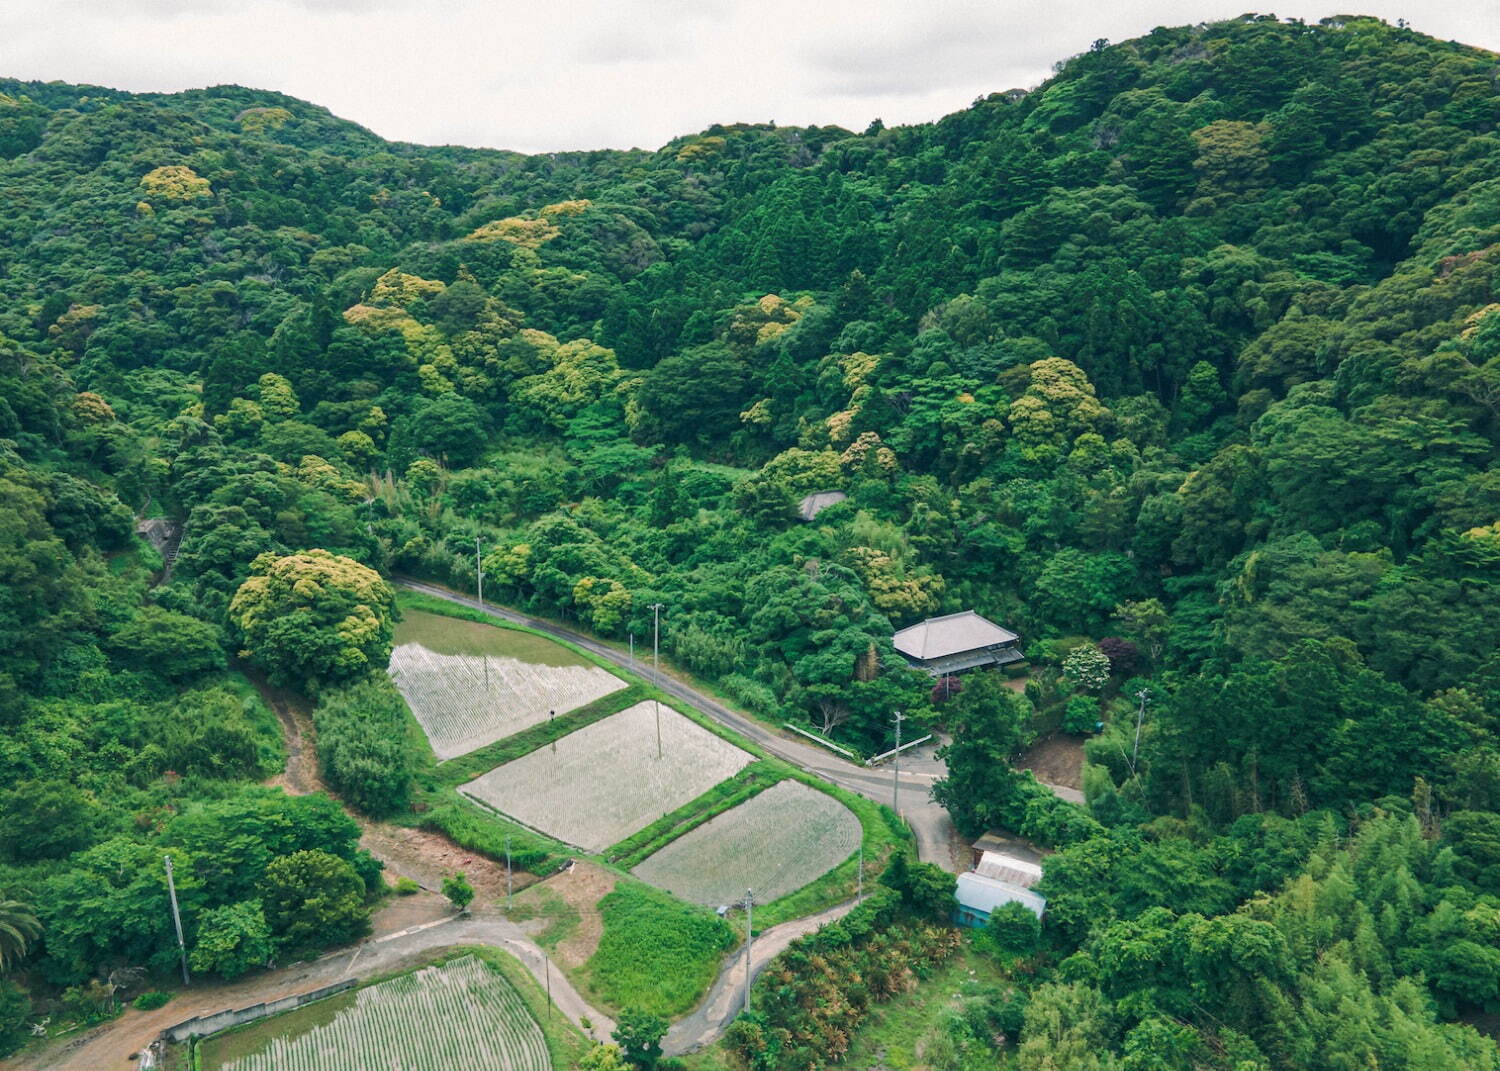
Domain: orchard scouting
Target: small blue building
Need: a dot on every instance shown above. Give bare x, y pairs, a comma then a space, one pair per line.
978, 896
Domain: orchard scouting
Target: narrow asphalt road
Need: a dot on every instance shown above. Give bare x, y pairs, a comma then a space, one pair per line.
937, 840
112, 1045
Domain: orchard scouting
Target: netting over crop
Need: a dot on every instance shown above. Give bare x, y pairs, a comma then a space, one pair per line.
464, 701
775, 843
460, 1016
600, 784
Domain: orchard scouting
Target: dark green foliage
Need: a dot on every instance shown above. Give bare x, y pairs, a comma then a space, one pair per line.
46, 820
1013, 929
925, 889
15, 1009
232, 940
1195, 343
151, 1000
312, 898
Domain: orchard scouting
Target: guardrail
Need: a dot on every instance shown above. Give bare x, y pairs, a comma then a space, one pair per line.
816, 739
878, 759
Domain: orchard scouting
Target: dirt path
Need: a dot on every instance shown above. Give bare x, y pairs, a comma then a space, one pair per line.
582, 888
302, 775
1056, 760
110, 1046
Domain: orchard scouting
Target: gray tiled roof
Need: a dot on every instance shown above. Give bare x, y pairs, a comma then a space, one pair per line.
938, 637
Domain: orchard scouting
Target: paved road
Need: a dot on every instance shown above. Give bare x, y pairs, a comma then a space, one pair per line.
726, 997
937, 841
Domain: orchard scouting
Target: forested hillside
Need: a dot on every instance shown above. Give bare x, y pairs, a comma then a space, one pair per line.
1192, 353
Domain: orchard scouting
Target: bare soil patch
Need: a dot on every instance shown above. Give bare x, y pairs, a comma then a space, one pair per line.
427, 858
1056, 760
582, 887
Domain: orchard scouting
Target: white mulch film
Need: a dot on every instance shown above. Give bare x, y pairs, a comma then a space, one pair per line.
447, 694
774, 843
600, 784
460, 1016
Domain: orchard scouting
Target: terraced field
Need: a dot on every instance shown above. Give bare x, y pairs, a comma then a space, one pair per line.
470, 684
774, 843
459, 1016
600, 784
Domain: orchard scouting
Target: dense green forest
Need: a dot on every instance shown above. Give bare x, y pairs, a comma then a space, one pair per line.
1185, 365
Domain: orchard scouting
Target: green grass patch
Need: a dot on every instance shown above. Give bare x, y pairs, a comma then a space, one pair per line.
560, 917
657, 953
752, 780
481, 830
467, 767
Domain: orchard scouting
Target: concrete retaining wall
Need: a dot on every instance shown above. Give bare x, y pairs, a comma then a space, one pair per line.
202, 1025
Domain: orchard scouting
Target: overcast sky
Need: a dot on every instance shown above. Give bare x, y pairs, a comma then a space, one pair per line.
577, 74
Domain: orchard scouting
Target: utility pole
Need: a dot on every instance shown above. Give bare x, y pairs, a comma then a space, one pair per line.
1140, 715
632, 652
507, 872
749, 938
177, 919
479, 583
859, 897
896, 770
656, 666
548, 963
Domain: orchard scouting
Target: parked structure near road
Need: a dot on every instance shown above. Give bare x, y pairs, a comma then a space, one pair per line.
956, 642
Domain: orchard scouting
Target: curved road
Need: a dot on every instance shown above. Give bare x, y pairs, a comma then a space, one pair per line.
937, 841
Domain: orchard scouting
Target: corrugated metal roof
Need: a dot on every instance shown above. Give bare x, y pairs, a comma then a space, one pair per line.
1004, 867
939, 637
815, 504
979, 893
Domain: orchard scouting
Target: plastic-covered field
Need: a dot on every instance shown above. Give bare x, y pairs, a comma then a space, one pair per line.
460, 1016
603, 782
470, 684
774, 843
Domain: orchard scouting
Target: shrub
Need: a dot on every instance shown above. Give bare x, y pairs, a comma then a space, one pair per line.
1013, 930
407, 887
1122, 654
151, 1000
363, 747
1082, 714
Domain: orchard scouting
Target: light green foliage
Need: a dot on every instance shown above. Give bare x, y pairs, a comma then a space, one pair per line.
1086, 667
232, 940
314, 617
458, 891
657, 954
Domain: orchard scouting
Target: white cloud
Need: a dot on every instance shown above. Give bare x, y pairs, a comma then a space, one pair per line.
573, 74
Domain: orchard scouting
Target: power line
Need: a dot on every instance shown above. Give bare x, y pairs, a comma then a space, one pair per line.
896, 770
749, 941
656, 666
